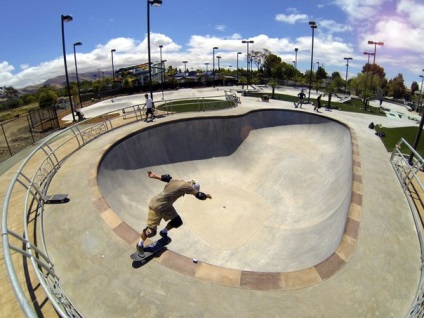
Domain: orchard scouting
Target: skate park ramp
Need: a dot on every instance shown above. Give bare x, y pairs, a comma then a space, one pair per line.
281, 184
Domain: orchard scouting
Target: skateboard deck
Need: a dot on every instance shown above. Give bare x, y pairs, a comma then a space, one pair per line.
151, 250
56, 198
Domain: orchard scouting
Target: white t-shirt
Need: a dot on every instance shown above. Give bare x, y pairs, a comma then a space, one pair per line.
149, 103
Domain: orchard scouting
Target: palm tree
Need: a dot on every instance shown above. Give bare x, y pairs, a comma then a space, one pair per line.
273, 83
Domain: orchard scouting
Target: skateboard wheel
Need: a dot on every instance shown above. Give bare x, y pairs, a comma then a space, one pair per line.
194, 261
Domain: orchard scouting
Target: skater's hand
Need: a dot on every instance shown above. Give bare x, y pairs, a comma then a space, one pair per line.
150, 174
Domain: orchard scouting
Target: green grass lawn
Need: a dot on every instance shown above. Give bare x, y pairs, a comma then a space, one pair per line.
354, 105
393, 135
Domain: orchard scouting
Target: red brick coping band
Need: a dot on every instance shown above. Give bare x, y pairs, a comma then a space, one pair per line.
239, 278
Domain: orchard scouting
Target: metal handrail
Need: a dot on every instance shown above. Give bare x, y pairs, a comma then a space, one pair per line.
48, 158
407, 171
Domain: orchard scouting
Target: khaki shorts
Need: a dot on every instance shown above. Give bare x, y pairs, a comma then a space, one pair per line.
154, 218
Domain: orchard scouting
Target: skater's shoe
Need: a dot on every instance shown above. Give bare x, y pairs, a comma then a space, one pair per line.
140, 250
165, 237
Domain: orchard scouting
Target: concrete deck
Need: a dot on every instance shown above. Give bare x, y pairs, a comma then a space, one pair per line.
373, 272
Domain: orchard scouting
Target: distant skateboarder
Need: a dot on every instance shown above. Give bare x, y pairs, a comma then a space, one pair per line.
301, 96
149, 107
161, 207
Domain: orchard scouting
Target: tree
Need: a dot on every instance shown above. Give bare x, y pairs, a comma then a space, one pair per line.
396, 87
273, 83
414, 87
10, 92
321, 73
47, 98
271, 61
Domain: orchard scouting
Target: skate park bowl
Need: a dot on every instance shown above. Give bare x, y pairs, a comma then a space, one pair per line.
281, 183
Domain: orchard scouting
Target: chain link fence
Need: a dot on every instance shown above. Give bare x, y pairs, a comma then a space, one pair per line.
21, 132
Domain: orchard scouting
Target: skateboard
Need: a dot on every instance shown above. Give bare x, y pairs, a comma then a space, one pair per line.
150, 250
56, 198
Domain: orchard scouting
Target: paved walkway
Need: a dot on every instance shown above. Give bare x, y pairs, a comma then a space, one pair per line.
379, 278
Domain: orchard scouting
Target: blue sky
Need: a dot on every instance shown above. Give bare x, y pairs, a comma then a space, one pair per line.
31, 49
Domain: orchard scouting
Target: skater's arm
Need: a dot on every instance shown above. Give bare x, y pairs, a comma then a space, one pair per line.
164, 177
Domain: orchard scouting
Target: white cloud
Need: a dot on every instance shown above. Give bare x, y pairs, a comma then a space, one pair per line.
413, 10
360, 10
334, 27
291, 18
220, 27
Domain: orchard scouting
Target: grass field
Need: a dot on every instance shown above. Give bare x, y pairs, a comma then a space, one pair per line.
393, 135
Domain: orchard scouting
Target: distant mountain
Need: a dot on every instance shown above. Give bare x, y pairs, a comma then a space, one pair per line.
60, 81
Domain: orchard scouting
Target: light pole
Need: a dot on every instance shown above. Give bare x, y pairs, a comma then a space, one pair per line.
366, 69
161, 69
375, 53
295, 58
155, 3
347, 70
238, 53
421, 92
76, 71
113, 67
247, 42
162, 64
420, 129
67, 18
313, 26
213, 64
185, 66
295, 66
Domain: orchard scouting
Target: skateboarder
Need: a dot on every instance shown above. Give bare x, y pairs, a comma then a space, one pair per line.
149, 107
318, 104
301, 96
161, 206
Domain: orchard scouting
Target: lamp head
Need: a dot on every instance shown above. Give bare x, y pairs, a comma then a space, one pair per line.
156, 3
77, 43
66, 18
113, 50
296, 49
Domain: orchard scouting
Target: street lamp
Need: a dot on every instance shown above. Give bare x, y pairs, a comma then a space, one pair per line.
421, 92
295, 59
366, 69
420, 128
347, 70
185, 66
247, 42
162, 71
162, 64
295, 66
155, 3
238, 53
67, 18
76, 71
113, 67
213, 64
313, 26
375, 53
